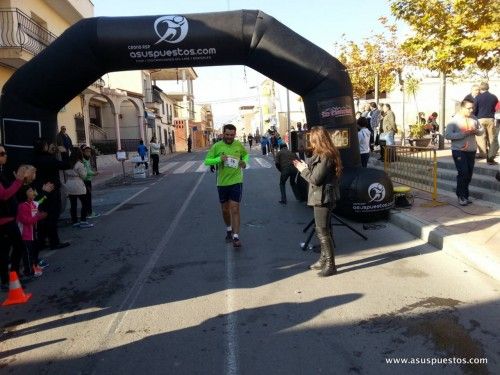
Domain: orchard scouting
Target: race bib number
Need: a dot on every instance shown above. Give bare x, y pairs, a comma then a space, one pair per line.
231, 162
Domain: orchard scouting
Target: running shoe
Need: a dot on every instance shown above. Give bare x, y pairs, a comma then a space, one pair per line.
236, 242
85, 224
229, 236
42, 263
93, 215
37, 271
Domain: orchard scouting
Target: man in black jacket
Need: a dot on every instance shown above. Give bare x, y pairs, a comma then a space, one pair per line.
284, 164
487, 144
63, 141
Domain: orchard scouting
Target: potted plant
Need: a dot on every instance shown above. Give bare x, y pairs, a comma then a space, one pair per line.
417, 133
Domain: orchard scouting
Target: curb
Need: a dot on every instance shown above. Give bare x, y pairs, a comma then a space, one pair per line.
454, 245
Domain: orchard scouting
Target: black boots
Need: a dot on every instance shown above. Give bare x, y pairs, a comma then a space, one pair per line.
319, 264
327, 258
329, 268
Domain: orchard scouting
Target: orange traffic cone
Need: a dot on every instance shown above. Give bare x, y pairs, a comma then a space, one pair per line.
16, 293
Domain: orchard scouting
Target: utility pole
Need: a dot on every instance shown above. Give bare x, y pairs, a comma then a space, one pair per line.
288, 115
402, 88
443, 110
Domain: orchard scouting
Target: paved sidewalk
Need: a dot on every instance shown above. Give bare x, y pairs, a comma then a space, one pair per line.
471, 233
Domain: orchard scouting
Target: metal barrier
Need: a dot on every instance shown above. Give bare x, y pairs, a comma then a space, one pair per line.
413, 166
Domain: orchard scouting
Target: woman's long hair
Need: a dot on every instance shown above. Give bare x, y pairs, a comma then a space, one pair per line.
322, 145
76, 155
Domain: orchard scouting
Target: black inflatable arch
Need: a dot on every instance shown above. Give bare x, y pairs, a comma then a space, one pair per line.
92, 47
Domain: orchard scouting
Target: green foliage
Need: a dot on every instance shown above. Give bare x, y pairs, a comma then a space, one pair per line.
363, 63
412, 85
417, 130
451, 34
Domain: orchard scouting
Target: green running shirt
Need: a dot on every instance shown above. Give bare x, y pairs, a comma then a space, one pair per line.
227, 173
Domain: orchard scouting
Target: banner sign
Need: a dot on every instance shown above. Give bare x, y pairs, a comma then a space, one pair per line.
336, 112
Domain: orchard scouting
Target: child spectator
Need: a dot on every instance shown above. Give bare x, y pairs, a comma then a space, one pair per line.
27, 217
142, 150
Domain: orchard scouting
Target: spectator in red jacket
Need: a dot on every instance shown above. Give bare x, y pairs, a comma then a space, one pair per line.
9, 232
27, 217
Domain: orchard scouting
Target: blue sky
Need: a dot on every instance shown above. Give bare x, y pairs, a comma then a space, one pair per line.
321, 21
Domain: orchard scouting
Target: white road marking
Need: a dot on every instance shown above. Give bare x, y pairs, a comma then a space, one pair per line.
203, 168
184, 167
231, 336
136, 289
263, 163
169, 166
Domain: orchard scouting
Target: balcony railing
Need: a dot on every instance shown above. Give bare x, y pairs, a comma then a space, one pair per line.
17, 30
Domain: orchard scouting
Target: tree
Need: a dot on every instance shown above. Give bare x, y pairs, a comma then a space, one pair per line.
363, 63
451, 34
378, 56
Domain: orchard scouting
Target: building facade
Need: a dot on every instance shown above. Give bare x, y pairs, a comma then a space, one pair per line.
27, 28
117, 110
202, 126
177, 84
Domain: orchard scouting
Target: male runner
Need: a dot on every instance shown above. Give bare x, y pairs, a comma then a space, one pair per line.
230, 157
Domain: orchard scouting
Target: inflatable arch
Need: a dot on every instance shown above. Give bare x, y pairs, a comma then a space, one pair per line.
92, 47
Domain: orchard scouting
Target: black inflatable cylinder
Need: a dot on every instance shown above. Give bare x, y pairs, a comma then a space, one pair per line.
365, 193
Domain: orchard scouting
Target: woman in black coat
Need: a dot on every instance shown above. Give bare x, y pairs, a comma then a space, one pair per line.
48, 167
322, 173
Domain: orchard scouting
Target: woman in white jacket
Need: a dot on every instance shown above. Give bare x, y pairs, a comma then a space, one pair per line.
76, 188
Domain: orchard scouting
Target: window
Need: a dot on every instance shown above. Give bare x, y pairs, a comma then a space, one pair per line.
95, 115
40, 33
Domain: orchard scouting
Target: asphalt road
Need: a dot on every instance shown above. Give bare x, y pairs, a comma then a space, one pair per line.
154, 288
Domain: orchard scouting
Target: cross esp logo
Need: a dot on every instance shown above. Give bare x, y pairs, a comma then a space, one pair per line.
376, 191
171, 29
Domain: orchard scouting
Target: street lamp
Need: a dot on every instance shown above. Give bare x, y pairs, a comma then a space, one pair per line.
288, 116
261, 126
